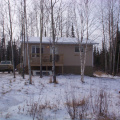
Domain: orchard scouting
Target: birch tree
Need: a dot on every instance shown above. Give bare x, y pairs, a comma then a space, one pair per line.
26, 37
22, 36
36, 17
84, 21
11, 37
41, 34
53, 42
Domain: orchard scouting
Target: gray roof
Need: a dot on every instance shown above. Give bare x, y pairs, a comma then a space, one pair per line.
60, 40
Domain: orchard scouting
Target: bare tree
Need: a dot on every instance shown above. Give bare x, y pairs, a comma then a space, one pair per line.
22, 26
84, 29
41, 34
11, 37
36, 16
102, 10
111, 16
26, 37
53, 42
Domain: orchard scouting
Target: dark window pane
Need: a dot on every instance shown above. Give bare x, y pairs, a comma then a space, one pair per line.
76, 48
37, 50
33, 49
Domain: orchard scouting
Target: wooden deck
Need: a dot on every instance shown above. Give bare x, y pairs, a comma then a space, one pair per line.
46, 60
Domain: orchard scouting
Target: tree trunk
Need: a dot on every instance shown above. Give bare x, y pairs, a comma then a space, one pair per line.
11, 39
29, 67
53, 44
23, 43
41, 33
104, 42
87, 35
110, 49
118, 59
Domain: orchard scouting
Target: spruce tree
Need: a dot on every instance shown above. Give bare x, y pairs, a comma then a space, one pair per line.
72, 31
9, 51
117, 59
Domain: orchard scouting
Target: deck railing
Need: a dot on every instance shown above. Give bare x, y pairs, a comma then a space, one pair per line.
46, 59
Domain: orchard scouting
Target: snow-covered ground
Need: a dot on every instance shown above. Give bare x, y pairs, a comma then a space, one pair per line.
18, 99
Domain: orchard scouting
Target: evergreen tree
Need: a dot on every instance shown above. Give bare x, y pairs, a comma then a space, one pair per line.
0, 51
17, 55
9, 51
72, 31
96, 58
117, 59
3, 50
102, 57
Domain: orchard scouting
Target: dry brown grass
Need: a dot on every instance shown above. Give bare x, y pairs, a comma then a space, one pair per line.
5, 92
26, 83
36, 109
10, 81
56, 82
7, 115
100, 73
76, 107
50, 79
106, 118
76, 103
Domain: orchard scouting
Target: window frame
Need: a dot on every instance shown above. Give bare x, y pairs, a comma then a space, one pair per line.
79, 49
36, 51
35, 54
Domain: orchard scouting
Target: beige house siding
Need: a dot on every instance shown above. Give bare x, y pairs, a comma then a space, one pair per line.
72, 58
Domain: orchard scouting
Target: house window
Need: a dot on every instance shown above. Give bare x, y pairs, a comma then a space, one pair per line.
33, 51
78, 50
36, 51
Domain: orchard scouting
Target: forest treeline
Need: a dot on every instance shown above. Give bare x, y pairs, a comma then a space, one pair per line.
102, 58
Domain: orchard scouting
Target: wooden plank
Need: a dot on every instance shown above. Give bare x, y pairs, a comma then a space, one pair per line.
46, 64
46, 60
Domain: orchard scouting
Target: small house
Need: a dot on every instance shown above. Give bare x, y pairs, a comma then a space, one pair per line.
67, 55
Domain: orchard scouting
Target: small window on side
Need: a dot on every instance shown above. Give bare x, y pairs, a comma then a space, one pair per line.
77, 49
